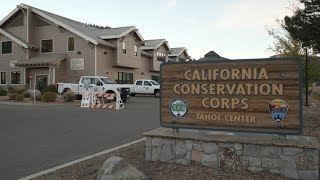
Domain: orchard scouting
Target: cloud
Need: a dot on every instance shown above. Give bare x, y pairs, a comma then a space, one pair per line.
171, 3
189, 20
248, 14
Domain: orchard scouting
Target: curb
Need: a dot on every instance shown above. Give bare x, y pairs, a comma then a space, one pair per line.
80, 160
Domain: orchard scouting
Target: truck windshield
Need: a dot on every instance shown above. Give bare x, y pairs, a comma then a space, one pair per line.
154, 82
107, 81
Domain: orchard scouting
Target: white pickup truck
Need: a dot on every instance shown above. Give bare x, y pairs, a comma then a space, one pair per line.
97, 84
145, 86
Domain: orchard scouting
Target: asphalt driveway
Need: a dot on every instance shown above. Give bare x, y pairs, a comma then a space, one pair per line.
38, 137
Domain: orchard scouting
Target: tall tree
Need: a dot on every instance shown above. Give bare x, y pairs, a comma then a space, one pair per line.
304, 25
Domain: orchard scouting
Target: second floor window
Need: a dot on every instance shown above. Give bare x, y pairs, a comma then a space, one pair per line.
6, 47
46, 46
124, 47
135, 50
70, 43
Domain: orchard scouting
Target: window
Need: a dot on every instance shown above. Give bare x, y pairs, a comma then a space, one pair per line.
6, 47
156, 78
125, 78
70, 43
139, 83
124, 47
46, 46
147, 83
15, 77
3, 77
135, 50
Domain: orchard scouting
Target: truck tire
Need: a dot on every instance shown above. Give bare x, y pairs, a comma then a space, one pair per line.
65, 90
157, 93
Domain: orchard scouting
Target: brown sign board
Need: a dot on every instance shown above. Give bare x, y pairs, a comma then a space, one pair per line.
258, 95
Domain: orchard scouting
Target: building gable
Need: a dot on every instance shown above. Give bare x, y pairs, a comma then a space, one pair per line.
16, 20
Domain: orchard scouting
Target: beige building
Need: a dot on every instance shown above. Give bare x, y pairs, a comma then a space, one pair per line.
38, 44
179, 54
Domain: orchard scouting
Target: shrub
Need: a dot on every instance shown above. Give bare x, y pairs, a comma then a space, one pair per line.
51, 88
19, 97
21, 90
38, 97
10, 89
48, 97
3, 92
69, 96
26, 94
12, 96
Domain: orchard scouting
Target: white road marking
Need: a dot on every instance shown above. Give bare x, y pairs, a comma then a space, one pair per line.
80, 160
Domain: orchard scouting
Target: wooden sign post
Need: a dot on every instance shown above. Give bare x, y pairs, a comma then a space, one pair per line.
262, 95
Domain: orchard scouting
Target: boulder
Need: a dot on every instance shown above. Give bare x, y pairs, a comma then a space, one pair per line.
118, 168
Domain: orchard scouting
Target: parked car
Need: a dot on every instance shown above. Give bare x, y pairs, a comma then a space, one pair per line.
145, 86
97, 84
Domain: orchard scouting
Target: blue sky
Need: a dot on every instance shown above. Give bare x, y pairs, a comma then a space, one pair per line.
234, 29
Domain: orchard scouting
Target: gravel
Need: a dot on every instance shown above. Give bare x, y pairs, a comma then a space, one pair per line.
135, 155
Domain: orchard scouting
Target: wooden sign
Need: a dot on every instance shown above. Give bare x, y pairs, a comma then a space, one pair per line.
262, 95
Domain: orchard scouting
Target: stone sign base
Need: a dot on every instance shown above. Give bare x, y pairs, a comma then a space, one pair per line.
292, 156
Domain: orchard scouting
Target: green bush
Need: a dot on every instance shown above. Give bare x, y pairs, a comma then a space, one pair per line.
26, 94
19, 97
3, 92
21, 90
48, 97
69, 96
51, 88
12, 96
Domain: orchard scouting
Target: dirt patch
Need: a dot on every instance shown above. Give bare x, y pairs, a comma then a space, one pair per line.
31, 101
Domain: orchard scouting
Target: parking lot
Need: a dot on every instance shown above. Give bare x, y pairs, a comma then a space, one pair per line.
37, 137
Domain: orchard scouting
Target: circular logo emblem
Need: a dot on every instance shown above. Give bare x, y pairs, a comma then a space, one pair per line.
178, 108
95, 89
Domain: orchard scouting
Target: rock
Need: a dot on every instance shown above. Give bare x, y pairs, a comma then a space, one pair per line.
254, 161
237, 146
118, 168
312, 157
197, 146
301, 161
210, 147
148, 141
227, 145
157, 141
156, 153
270, 163
189, 144
167, 153
180, 149
270, 151
196, 155
188, 156
32, 92
255, 169
251, 150
310, 175
290, 151
148, 153
289, 167
210, 160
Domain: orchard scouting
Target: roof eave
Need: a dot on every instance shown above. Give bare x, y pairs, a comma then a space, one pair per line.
9, 15
14, 38
61, 24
